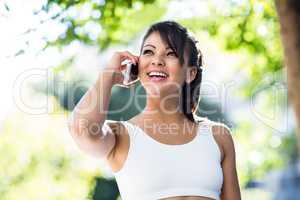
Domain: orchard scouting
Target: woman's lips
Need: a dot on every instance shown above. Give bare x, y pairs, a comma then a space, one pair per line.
157, 79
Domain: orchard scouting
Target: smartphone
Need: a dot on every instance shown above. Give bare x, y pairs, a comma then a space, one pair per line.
131, 73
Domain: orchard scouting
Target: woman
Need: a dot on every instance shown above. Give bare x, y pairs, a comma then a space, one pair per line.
163, 152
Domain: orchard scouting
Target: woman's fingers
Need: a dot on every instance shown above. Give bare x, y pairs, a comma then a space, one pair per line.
126, 55
134, 59
119, 65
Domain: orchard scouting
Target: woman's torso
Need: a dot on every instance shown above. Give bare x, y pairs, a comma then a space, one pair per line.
117, 159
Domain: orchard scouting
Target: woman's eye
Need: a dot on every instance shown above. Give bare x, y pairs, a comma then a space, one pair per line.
172, 53
147, 52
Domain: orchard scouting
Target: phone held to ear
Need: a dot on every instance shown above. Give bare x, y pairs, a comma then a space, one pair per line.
131, 73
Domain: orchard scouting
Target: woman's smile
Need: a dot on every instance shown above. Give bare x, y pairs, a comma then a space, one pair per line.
159, 65
157, 76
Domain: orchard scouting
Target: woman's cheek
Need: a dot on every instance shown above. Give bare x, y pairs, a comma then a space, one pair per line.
142, 64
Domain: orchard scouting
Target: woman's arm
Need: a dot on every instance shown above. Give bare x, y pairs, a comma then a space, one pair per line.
87, 119
230, 188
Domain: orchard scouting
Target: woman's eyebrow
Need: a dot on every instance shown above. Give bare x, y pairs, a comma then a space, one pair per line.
154, 46
150, 45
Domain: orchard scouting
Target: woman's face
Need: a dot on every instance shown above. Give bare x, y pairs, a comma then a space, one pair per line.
159, 67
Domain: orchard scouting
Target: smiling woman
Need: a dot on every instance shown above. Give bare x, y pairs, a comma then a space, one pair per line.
178, 58
164, 152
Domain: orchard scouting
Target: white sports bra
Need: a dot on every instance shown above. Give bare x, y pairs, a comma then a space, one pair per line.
154, 170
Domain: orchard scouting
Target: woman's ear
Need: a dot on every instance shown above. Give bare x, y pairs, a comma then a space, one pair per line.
191, 74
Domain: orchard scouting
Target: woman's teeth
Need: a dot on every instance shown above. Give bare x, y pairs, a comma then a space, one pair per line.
157, 76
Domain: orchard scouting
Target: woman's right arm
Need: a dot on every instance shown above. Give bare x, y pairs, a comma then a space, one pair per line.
88, 117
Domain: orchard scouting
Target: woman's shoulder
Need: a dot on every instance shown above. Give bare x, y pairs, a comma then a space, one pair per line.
217, 128
222, 135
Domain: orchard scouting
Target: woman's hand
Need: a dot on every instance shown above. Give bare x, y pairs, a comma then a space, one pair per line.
116, 67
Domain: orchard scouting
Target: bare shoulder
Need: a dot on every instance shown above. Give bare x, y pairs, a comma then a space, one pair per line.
223, 137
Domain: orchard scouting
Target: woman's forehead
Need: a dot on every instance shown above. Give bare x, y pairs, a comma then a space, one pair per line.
154, 40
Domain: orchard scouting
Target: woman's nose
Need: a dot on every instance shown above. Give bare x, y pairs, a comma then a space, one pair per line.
158, 60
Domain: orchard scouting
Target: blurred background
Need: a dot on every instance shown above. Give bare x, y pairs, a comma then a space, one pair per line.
51, 51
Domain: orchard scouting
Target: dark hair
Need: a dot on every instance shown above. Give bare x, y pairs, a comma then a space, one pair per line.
180, 41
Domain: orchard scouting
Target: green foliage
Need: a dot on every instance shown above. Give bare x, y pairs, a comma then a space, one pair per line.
40, 161
116, 21
105, 189
249, 28
259, 151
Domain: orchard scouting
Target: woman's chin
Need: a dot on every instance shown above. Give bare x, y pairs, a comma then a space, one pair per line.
159, 87
160, 90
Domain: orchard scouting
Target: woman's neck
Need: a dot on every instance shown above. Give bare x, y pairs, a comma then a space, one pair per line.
163, 109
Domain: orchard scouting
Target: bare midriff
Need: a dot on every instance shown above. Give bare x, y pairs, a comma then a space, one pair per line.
187, 198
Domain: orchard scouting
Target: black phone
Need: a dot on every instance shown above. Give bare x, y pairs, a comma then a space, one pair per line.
131, 73
134, 72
